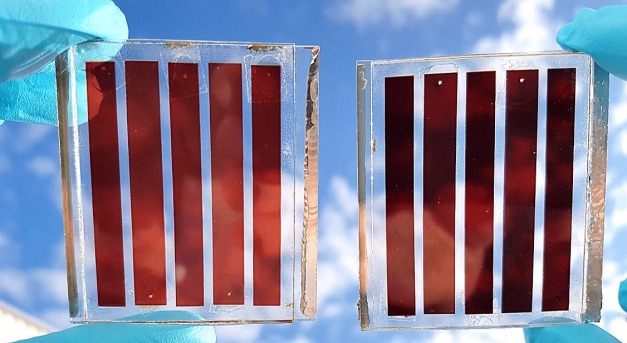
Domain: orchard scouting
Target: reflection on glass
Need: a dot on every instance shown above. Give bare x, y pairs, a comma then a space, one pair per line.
105, 186
399, 197
521, 126
227, 182
479, 202
186, 182
440, 112
559, 188
144, 150
266, 120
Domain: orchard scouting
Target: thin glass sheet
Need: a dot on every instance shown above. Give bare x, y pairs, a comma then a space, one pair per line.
481, 181
181, 161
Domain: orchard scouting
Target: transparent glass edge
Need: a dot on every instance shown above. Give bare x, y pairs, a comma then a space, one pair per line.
362, 304
63, 99
309, 254
597, 164
472, 56
187, 42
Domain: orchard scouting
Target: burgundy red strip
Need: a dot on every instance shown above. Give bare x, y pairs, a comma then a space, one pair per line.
146, 181
479, 202
186, 183
559, 188
105, 185
521, 121
227, 179
399, 202
440, 123
266, 151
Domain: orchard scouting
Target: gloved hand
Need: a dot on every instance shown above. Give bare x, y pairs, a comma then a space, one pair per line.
123, 332
602, 34
32, 34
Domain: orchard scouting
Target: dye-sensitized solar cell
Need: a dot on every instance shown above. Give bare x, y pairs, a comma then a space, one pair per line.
190, 180
481, 190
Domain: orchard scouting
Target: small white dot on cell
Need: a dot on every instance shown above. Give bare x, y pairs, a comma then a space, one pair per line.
439, 82
522, 79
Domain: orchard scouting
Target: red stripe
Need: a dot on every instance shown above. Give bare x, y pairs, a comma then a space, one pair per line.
559, 188
479, 202
227, 178
440, 110
520, 185
266, 151
146, 179
399, 202
186, 183
105, 183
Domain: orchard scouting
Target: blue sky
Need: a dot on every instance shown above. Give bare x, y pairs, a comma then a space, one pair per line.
32, 270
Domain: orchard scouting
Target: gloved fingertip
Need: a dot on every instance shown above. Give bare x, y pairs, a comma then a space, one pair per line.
568, 333
571, 36
622, 295
584, 13
564, 37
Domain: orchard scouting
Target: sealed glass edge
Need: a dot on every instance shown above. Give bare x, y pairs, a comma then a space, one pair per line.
63, 103
362, 175
597, 164
309, 249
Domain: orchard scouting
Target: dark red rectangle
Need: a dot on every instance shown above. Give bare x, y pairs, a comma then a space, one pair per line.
146, 181
560, 140
227, 182
266, 151
186, 183
399, 195
479, 202
105, 183
440, 129
521, 121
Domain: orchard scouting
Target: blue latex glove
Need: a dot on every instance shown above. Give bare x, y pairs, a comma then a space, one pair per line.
116, 332
602, 34
576, 333
32, 34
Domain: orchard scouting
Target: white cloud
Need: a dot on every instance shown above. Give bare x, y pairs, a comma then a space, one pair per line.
40, 285
15, 284
51, 284
617, 218
338, 248
533, 28
479, 336
4, 241
43, 285
30, 135
43, 166
618, 110
58, 317
396, 13
236, 333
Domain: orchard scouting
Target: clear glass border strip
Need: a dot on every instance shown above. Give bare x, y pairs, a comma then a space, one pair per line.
298, 190
588, 192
